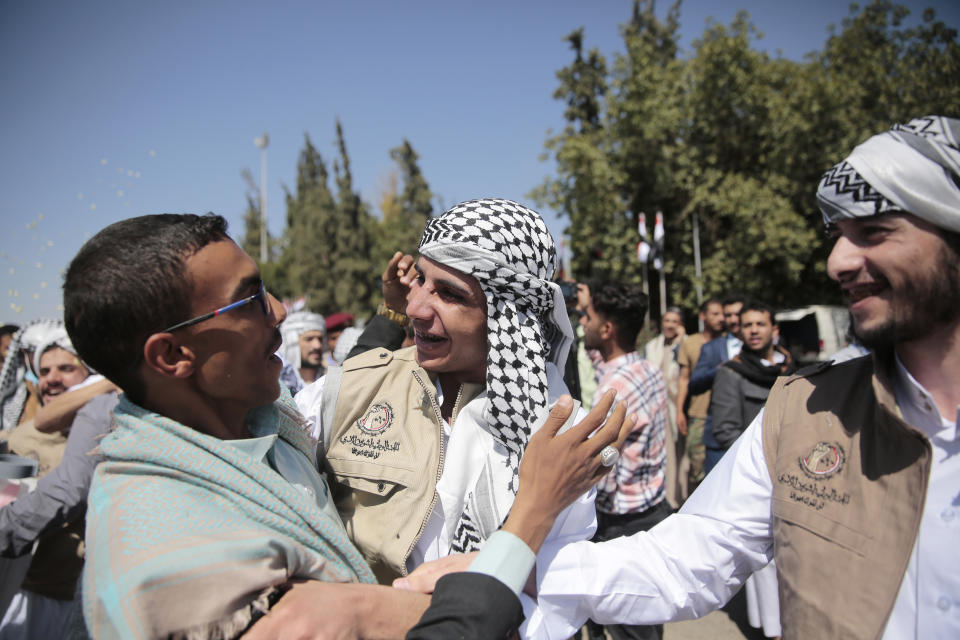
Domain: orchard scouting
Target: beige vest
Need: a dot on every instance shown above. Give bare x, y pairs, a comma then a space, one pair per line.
849, 480
386, 454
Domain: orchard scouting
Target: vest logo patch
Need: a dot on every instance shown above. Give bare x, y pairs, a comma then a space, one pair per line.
377, 419
823, 461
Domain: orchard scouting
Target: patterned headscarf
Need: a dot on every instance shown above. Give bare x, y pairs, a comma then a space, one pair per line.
913, 168
297, 324
345, 343
13, 391
56, 338
508, 249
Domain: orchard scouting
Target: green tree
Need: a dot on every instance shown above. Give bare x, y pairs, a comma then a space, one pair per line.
311, 223
734, 136
587, 188
252, 219
353, 273
406, 209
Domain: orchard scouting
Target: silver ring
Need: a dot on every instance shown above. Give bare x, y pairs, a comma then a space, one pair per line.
609, 456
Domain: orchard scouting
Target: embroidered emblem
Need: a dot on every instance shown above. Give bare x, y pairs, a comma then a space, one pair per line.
377, 419
823, 461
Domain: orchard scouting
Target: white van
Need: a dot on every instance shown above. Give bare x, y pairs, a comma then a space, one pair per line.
814, 333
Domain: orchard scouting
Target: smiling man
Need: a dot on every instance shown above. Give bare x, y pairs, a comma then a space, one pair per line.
427, 441
848, 477
58, 369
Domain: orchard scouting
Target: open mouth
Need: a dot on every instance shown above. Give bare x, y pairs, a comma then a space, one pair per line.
856, 293
427, 340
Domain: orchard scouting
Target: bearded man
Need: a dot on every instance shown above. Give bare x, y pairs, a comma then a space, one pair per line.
849, 475
304, 340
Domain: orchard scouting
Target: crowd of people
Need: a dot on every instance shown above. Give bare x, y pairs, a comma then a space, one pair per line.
486, 456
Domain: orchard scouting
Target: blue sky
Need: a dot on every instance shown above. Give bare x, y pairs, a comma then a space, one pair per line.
116, 109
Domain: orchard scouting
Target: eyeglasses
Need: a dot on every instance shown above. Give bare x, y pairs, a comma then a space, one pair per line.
260, 296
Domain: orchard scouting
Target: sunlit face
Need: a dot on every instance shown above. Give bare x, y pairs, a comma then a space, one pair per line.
311, 348
592, 323
448, 311
731, 317
670, 325
898, 275
59, 370
235, 366
713, 317
5, 341
758, 332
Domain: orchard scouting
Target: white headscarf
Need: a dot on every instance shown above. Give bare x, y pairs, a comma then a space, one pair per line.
13, 391
297, 324
55, 338
347, 341
913, 168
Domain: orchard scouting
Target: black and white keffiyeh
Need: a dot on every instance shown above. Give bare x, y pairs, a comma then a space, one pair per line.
13, 391
913, 167
508, 249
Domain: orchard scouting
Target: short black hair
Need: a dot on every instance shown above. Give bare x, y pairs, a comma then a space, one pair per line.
623, 304
129, 281
733, 298
709, 301
758, 305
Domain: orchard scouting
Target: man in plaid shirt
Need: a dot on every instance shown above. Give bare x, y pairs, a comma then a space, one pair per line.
632, 496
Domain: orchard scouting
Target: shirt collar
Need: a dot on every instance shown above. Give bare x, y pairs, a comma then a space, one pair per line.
918, 406
617, 362
256, 448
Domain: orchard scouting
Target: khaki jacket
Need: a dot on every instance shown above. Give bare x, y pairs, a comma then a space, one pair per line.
849, 480
386, 454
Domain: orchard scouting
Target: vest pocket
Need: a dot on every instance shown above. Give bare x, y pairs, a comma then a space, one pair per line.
794, 514
373, 486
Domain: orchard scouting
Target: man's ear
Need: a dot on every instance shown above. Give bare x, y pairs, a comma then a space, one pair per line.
608, 330
164, 354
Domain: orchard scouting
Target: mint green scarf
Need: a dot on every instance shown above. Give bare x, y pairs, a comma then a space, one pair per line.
186, 534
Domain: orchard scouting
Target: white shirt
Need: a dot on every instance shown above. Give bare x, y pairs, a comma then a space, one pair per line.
693, 562
470, 440
734, 344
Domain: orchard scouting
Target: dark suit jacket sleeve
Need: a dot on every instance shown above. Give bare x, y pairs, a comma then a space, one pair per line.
469, 606
712, 355
726, 407
379, 332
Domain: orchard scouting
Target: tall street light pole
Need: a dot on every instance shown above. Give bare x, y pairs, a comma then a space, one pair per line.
262, 142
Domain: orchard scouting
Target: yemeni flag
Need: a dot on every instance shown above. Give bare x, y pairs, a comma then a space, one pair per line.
657, 251
643, 249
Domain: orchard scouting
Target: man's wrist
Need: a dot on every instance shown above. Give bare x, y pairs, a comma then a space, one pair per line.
530, 523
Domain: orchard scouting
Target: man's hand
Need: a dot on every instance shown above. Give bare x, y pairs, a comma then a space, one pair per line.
681, 422
397, 279
424, 578
337, 611
557, 469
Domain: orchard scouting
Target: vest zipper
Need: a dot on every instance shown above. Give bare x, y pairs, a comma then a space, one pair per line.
433, 501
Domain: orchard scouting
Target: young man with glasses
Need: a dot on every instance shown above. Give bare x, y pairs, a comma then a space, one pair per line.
208, 502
